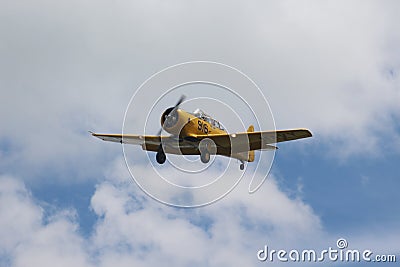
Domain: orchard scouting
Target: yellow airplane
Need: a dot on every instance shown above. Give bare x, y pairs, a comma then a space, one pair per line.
198, 134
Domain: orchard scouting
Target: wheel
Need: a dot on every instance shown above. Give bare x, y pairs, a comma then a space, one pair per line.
161, 157
241, 166
205, 157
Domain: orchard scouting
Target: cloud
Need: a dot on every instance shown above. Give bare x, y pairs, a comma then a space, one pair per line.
66, 69
71, 66
330, 74
20, 216
132, 228
29, 238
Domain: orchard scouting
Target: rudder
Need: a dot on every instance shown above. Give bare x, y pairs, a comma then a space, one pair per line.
250, 157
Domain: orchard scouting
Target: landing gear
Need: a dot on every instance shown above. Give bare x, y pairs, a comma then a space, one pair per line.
206, 147
205, 156
160, 156
241, 166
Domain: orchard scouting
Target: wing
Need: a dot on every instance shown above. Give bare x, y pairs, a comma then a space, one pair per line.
241, 142
129, 138
227, 144
171, 144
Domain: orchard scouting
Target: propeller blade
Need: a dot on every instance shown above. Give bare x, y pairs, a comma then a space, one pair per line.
169, 110
183, 97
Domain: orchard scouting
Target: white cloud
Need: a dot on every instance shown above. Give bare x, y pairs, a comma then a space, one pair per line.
239, 216
328, 73
19, 215
71, 66
131, 228
27, 238
66, 69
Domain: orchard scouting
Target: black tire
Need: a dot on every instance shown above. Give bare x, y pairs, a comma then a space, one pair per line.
241, 166
161, 157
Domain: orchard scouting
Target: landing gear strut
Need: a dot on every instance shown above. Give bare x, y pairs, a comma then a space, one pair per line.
160, 156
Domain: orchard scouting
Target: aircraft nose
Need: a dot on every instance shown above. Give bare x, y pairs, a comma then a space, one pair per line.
169, 118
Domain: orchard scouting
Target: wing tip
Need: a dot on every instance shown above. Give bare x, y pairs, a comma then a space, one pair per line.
309, 133
94, 134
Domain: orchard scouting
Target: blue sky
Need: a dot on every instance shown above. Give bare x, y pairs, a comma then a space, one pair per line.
356, 193
355, 196
72, 66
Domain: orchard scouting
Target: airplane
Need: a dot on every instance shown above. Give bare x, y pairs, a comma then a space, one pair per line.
197, 133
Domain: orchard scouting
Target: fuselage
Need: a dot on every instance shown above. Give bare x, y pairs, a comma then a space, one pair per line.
181, 123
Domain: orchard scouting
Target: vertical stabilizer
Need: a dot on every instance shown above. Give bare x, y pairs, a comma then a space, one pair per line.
251, 152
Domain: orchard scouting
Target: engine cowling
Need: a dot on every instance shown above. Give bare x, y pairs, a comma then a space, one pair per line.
169, 118
174, 121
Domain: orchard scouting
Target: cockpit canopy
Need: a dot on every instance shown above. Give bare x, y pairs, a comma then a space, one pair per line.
201, 115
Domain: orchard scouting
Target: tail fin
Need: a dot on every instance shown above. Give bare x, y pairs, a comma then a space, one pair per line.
251, 152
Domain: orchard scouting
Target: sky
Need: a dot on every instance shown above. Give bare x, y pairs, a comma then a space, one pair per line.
67, 199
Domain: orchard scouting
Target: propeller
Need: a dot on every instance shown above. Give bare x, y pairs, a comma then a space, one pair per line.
183, 97
169, 110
